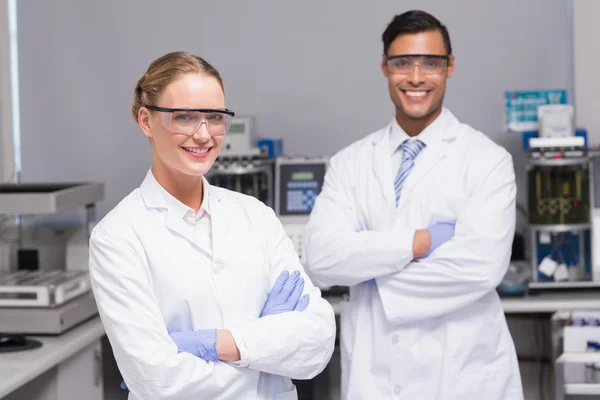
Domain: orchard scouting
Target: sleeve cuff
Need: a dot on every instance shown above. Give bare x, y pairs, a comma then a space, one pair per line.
239, 342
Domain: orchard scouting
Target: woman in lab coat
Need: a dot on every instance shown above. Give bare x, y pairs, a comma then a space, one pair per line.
192, 280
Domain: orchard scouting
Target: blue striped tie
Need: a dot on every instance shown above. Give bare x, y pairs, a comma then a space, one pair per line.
410, 149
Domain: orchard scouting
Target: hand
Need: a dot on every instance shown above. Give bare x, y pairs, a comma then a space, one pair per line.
285, 295
440, 233
201, 343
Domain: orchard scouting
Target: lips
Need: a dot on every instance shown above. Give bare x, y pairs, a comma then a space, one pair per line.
197, 152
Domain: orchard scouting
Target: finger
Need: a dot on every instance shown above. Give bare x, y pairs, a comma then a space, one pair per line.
282, 278
296, 293
303, 303
279, 283
289, 285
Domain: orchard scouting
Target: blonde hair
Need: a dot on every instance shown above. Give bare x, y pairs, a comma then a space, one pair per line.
165, 70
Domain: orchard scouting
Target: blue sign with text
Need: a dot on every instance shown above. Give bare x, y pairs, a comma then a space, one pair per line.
521, 107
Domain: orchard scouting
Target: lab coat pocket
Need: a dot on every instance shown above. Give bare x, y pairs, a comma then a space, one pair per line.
289, 395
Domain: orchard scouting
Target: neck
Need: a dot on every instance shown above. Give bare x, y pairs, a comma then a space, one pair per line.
414, 126
186, 188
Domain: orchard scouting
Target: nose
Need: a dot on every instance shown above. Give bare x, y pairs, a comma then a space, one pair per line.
416, 77
202, 134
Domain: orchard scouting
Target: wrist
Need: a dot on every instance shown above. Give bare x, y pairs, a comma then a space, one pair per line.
227, 349
421, 243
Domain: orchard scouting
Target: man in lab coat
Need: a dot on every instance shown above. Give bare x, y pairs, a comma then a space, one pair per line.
418, 219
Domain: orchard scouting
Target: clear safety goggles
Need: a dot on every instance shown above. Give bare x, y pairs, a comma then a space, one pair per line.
428, 64
187, 121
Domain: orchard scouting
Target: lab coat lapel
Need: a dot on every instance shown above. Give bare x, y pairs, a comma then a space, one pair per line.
382, 165
220, 222
176, 224
154, 199
424, 163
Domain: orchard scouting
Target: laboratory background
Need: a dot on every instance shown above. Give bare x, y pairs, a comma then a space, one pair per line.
304, 79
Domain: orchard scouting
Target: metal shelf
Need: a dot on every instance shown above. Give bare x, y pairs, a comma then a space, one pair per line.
557, 162
237, 170
48, 198
558, 286
582, 388
561, 228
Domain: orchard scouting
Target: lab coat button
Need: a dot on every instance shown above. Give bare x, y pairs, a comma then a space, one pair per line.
395, 339
397, 390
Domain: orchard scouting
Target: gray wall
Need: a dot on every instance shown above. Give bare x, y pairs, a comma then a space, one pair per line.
309, 72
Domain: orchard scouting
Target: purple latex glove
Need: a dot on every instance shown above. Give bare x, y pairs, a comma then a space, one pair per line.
202, 344
440, 233
285, 295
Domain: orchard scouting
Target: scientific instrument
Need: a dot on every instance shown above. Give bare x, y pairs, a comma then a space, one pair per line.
298, 181
594, 177
46, 302
556, 120
240, 139
251, 175
559, 187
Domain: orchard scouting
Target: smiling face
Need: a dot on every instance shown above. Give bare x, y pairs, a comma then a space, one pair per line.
417, 87
184, 154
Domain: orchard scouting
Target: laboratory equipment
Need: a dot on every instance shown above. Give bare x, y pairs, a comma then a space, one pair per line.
298, 181
240, 139
46, 302
251, 175
47, 198
41, 288
271, 147
556, 120
48, 320
594, 177
559, 189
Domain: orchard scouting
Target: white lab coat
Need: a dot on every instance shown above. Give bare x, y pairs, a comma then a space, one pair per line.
432, 329
147, 282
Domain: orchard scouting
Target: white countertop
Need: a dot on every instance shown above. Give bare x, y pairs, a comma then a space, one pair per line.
19, 367
540, 303
552, 302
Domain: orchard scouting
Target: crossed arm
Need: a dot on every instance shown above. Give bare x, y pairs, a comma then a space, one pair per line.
293, 344
459, 273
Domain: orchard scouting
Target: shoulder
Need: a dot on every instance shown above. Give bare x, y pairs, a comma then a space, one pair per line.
120, 221
359, 149
476, 145
481, 155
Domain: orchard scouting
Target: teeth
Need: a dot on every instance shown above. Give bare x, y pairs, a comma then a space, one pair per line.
196, 150
416, 94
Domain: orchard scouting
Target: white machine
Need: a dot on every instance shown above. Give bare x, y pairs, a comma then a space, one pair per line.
595, 212
556, 120
240, 138
36, 301
298, 181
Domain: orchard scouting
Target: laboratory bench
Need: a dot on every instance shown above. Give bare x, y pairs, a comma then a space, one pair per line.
68, 365
530, 304
65, 367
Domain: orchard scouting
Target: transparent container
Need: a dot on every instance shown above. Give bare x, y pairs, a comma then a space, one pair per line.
559, 193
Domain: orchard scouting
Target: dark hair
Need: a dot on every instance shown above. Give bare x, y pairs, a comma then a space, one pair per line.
165, 70
414, 21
